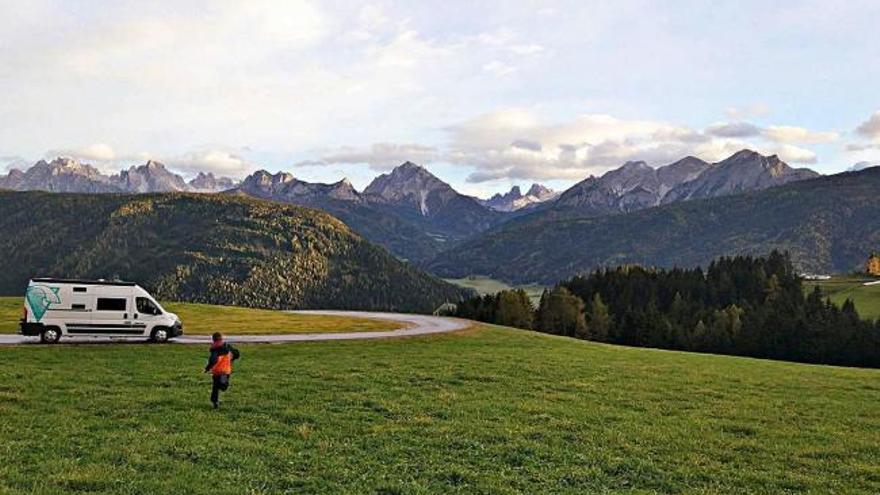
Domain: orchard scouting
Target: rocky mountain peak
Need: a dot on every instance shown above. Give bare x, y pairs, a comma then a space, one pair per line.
408, 183
149, 177
635, 165
745, 154
207, 182
539, 191
59, 175
343, 185
344, 190
515, 199
265, 182
745, 170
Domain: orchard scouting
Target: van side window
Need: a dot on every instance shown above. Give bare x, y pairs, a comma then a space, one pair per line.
110, 304
80, 307
79, 289
146, 306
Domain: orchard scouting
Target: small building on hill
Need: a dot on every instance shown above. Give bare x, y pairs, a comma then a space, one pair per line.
872, 267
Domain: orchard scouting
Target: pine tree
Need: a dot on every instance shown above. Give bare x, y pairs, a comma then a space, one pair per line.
514, 309
562, 313
600, 320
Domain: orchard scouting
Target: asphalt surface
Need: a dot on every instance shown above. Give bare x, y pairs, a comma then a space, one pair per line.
415, 325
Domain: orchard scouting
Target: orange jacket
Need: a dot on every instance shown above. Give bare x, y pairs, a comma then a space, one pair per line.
221, 358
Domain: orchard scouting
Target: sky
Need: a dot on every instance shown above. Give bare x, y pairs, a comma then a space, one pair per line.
484, 94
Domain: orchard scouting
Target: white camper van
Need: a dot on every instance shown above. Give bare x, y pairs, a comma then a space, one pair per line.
56, 307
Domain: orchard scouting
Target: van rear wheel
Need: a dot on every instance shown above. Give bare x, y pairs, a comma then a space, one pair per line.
50, 335
159, 335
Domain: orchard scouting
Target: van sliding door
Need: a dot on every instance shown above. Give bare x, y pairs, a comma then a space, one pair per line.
112, 316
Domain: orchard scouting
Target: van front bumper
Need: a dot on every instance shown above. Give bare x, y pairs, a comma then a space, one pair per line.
30, 329
177, 330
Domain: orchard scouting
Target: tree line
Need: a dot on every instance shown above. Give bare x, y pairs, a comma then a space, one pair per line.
743, 305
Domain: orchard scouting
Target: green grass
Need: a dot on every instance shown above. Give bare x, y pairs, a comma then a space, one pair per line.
11, 309
486, 285
204, 319
843, 287
481, 411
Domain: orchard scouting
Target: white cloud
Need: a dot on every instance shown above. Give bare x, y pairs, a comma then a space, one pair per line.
794, 154
379, 156
862, 166
747, 112
507, 40
792, 134
290, 75
862, 146
10, 162
866, 149
871, 127
498, 68
733, 129
592, 144
219, 162
784, 134
98, 152
514, 143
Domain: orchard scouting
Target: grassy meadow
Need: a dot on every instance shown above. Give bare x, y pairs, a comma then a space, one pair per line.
204, 319
486, 410
842, 287
486, 285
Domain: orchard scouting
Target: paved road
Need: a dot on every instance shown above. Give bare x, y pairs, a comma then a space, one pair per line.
415, 325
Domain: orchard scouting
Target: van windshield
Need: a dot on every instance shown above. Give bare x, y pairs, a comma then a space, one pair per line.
147, 306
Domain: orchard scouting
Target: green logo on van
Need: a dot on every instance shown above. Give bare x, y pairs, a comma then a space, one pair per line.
40, 297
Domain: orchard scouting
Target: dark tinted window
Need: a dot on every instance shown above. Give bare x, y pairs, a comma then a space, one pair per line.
108, 304
79, 289
78, 306
146, 306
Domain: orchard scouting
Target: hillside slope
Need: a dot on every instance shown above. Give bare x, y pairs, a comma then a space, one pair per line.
827, 224
220, 249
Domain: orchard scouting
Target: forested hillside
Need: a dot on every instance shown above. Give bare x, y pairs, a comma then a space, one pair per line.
220, 249
744, 306
828, 224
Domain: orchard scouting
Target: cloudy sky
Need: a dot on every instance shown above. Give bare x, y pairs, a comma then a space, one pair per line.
486, 94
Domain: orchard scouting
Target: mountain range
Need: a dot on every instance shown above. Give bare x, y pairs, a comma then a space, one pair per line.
515, 200
408, 211
418, 217
827, 224
636, 186
210, 248
68, 175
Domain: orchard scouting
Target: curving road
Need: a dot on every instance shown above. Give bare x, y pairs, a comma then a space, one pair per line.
414, 325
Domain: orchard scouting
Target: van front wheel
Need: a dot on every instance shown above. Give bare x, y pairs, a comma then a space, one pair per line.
159, 335
50, 335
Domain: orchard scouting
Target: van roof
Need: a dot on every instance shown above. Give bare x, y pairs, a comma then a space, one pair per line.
81, 282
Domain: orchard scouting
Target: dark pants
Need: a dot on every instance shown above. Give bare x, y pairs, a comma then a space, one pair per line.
221, 382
